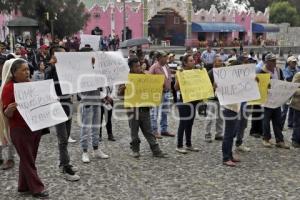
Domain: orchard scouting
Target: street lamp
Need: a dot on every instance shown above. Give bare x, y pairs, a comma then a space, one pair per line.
54, 17
124, 20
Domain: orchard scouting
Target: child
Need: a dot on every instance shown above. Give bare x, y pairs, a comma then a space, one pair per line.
140, 118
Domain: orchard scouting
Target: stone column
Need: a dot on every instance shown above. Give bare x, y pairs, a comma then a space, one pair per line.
189, 20
145, 21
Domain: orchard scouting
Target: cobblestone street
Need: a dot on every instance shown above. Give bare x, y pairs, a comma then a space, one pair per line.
263, 174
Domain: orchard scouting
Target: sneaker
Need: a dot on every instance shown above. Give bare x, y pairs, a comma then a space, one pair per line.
135, 154
167, 134
41, 195
99, 154
267, 144
160, 154
192, 149
70, 140
8, 165
295, 144
70, 174
85, 158
74, 169
207, 138
181, 150
219, 137
242, 148
111, 138
282, 145
256, 135
158, 136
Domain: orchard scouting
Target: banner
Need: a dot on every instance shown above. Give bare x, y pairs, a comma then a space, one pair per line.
143, 90
194, 85
236, 84
263, 84
38, 104
86, 71
92, 40
280, 93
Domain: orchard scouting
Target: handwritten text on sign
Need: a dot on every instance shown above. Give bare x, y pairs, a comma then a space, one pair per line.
236, 84
38, 105
86, 71
143, 90
195, 85
280, 93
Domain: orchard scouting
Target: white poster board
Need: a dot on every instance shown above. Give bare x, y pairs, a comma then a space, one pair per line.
92, 40
77, 73
236, 84
38, 104
113, 66
280, 93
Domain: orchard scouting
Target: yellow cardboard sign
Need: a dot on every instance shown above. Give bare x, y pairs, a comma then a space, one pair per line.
195, 85
263, 84
143, 90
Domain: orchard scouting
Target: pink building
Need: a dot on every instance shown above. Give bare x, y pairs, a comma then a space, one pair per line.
108, 16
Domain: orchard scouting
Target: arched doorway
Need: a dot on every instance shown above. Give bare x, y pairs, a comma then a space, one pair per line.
128, 33
167, 24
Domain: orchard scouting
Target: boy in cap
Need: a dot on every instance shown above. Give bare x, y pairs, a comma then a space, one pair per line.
139, 118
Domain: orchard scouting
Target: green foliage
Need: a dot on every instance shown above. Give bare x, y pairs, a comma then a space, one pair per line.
283, 11
68, 15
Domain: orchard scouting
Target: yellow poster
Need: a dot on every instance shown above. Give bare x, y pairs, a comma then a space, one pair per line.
264, 81
143, 90
195, 85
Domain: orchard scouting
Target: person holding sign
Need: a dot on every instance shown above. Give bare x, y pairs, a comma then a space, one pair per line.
272, 114
187, 113
295, 104
161, 67
63, 130
25, 141
139, 118
214, 108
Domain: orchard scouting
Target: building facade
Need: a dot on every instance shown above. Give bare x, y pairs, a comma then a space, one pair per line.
174, 21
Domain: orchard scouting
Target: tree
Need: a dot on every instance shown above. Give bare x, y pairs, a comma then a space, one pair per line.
69, 15
260, 5
283, 11
206, 4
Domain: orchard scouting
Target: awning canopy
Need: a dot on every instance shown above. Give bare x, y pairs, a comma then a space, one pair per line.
264, 28
217, 27
23, 22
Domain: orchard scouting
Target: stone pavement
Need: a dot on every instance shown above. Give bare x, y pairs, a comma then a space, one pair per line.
263, 174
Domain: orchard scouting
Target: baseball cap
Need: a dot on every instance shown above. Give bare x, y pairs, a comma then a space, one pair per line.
292, 59
270, 57
44, 46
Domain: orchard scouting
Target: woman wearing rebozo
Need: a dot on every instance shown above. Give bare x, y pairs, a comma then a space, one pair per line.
17, 132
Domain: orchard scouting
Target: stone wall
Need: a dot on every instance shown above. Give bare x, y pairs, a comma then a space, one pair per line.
288, 36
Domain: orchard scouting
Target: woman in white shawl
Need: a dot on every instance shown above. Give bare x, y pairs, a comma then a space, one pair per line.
17, 131
4, 134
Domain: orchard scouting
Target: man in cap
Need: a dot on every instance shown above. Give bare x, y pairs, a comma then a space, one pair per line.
161, 67
272, 114
288, 73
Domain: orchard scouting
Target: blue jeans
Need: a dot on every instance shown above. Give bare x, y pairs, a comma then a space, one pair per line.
163, 109
286, 110
296, 127
274, 115
231, 120
241, 125
90, 122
